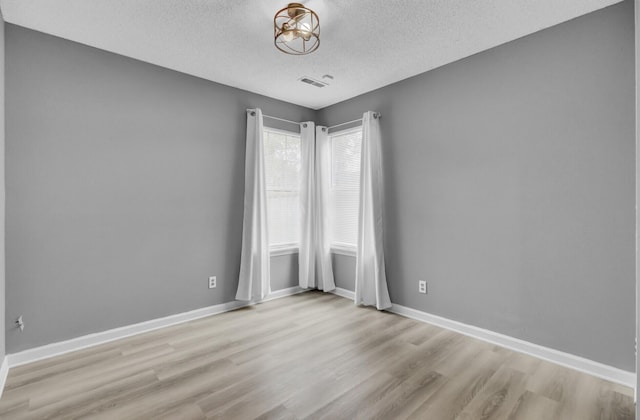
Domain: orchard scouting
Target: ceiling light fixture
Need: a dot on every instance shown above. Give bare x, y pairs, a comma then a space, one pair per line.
296, 30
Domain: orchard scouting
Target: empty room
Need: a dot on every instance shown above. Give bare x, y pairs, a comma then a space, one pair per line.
333, 209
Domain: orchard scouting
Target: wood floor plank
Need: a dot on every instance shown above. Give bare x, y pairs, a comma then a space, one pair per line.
531, 406
312, 355
183, 412
278, 413
74, 405
24, 377
350, 404
14, 409
54, 389
616, 406
404, 399
498, 396
449, 401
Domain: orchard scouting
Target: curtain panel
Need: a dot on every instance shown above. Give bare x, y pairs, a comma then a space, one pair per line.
315, 270
254, 281
371, 281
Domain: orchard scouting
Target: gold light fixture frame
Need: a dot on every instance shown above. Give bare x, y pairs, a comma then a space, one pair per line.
296, 30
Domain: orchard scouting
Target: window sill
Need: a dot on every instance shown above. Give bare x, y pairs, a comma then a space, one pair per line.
280, 250
343, 249
340, 249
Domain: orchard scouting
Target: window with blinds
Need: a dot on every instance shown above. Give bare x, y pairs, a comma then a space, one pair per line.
345, 186
282, 173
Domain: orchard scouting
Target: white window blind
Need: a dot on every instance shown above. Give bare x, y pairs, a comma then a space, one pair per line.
282, 173
345, 186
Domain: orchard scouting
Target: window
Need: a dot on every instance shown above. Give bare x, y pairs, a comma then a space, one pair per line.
345, 188
282, 173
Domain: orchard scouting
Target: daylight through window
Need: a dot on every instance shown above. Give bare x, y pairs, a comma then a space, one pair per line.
345, 186
282, 173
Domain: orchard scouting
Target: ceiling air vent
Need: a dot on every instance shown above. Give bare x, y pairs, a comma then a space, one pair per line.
312, 82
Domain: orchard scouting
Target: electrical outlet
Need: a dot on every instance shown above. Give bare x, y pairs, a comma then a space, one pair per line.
212, 282
20, 323
422, 286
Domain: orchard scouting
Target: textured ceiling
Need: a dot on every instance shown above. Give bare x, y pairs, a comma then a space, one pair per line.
365, 44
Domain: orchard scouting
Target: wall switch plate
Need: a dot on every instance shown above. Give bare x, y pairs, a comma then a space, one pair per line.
422, 286
212, 282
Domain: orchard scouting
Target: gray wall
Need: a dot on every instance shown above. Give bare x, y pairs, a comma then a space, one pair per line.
510, 187
637, 51
124, 189
2, 200
284, 271
344, 271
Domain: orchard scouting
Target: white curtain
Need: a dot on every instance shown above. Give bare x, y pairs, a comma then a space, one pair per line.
314, 260
371, 282
254, 280
307, 252
324, 270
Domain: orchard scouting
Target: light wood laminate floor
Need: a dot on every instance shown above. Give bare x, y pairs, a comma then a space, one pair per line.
311, 355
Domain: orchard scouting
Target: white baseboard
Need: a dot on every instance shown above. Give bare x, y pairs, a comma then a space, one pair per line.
581, 364
4, 371
90, 340
564, 359
343, 292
